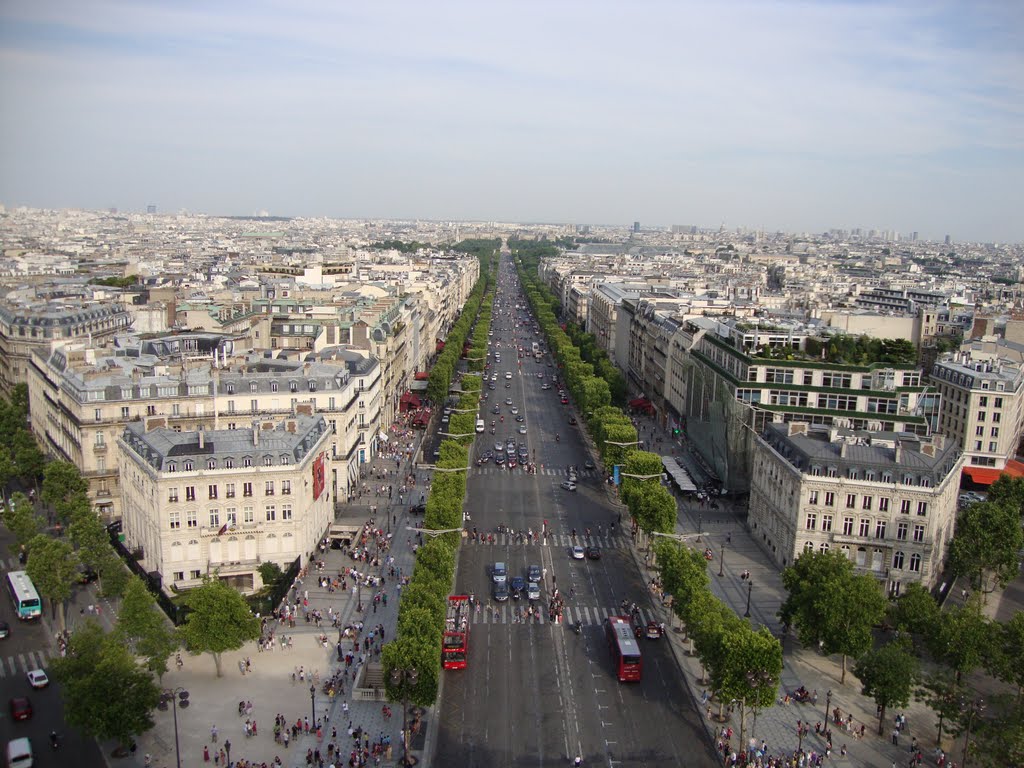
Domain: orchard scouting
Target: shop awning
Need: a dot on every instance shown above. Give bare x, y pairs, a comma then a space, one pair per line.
422, 376
382, 436
639, 402
987, 475
678, 474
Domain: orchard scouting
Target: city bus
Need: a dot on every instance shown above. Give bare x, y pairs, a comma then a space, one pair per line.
23, 593
536, 351
624, 647
455, 643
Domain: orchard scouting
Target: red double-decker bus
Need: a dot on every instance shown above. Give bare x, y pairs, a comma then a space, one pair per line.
624, 647
455, 643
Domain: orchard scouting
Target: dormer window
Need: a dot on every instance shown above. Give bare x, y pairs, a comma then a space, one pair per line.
294, 387
312, 386
273, 386
211, 464
252, 386
172, 467
188, 466
268, 461
229, 463
230, 388
285, 459
247, 461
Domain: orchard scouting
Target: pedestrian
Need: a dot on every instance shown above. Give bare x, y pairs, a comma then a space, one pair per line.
213, 733
206, 754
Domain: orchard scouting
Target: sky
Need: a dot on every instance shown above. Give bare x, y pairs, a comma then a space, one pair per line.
793, 116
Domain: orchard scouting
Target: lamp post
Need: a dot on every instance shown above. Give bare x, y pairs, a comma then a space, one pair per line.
312, 705
828, 705
801, 731
721, 562
750, 586
175, 697
404, 679
227, 749
972, 709
756, 679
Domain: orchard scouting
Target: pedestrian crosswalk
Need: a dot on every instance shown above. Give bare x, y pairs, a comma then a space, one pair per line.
515, 612
20, 664
563, 540
493, 469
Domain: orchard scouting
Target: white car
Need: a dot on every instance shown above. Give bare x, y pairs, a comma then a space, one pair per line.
569, 485
37, 678
577, 552
522, 429
508, 374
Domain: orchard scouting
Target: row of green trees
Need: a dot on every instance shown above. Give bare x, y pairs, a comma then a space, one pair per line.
422, 608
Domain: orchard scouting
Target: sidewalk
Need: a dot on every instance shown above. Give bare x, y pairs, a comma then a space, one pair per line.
269, 685
777, 725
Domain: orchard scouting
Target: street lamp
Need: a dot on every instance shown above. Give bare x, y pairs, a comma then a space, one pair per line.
227, 748
972, 709
756, 679
801, 731
828, 705
721, 562
405, 679
312, 704
176, 697
750, 587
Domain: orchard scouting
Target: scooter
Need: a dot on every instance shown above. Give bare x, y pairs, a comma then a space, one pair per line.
53, 740
577, 627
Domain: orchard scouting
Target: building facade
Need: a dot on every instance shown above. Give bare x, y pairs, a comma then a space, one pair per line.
220, 503
887, 501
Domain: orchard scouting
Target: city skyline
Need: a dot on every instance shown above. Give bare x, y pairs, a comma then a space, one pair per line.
780, 116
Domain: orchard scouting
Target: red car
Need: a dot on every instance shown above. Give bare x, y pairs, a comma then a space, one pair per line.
21, 708
565, 400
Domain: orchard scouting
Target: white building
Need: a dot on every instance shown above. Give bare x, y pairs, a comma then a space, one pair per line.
222, 502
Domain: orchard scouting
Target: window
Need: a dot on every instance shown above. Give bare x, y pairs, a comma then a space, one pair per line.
812, 497
247, 461
230, 388
979, 431
865, 526
285, 460
151, 410
189, 466
231, 517
212, 491
847, 526
100, 440
905, 507
248, 515
229, 490
915, 563
883, 503
175, 518
993, 447
919, 533
887, 477
897, 560
830, 499
273, 386
809, 546
268, 488
231, 406
179, 575
254, 406
215, 518
175, 410
247, 489
97, 414
922, 508
271, 512
901, 531
124, 412
268, 461
808, 378
190, 493
172, 495
998, 402
229, 463
826, 523
192, 518
286, 511
981, 415
836, 380
286, 487
195, 574
812, 521
994, 432
851, 501
865, 503
880, 529
252, 386
312, 386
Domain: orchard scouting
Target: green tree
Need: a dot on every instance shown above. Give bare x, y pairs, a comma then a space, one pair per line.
914, 611
1008, 492
747, 668
144, 628
988, 538
1010, 666
28, 459
830, 605
964, 639
21, 519
270, 572
64, 490
53, 567
219, 621
940, 692
106, 694
887, 675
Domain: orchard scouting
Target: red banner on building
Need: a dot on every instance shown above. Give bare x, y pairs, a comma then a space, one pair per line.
318, 477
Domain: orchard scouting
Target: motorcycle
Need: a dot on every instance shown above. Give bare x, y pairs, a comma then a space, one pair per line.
577, 627
558, 438
53, 740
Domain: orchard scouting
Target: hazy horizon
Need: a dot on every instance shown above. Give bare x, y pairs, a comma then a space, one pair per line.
792, 116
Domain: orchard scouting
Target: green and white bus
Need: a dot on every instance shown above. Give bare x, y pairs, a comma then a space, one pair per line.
23, 593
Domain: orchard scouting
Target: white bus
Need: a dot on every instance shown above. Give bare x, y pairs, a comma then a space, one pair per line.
23, 593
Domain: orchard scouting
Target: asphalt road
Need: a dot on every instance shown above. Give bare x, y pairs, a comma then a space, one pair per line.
537, 694
28, 647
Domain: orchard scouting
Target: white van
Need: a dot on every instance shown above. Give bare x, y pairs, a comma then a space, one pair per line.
479, 425
19, 753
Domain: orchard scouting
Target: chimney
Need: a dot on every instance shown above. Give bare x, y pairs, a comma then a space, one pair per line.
898, 453
842, 449
202, 439
256, 434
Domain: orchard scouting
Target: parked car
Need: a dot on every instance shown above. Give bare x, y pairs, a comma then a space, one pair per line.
593, 553
21, 708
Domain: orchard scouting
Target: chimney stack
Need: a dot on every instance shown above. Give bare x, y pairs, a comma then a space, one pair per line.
202, 440
255, 434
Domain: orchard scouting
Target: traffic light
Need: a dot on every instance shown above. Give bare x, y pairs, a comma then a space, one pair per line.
676, 431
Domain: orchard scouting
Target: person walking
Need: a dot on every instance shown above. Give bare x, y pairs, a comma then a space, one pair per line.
213, 733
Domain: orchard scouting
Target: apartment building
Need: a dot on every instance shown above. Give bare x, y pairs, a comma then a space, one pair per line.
887, 501
81, 398
721, 393
982, 388
26, 328
219, 503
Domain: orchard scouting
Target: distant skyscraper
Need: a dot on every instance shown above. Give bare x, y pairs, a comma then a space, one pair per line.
948, 240
150, 209
636, 226
913, 236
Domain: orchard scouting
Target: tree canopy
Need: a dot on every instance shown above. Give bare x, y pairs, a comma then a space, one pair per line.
219, 621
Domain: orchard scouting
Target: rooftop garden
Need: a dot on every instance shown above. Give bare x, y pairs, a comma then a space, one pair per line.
846, 350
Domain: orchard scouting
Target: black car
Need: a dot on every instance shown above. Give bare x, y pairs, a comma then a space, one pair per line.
518, 586
593, 553
500, 592
87, 575
418, 509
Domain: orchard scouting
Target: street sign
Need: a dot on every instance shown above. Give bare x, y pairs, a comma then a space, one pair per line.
615, 474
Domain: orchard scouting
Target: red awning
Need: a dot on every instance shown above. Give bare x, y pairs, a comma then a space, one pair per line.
639, 402
987, 475
422, 376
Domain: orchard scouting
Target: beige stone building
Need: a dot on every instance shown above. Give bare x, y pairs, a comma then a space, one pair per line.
887, 501
219, 503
